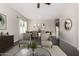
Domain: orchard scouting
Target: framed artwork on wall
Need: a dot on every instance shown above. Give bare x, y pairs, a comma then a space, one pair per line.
68, 24
3, 22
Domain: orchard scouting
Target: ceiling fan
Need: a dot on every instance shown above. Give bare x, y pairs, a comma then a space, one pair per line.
38, 4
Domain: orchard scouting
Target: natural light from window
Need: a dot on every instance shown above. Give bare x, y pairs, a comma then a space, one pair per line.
22, 26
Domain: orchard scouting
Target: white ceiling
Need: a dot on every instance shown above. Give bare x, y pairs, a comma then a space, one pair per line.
30, 10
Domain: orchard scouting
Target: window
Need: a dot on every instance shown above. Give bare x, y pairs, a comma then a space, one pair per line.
22, 26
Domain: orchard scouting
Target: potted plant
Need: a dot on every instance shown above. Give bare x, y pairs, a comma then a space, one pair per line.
33, 45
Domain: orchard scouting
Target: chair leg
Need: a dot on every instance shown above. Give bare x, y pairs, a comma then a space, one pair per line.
19, 45
51, 46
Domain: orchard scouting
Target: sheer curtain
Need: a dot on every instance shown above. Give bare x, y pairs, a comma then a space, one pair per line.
22, 26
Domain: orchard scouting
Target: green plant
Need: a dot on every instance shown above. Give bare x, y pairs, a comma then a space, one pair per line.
33, 45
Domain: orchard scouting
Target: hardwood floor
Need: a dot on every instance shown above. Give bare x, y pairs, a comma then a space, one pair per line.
55, 51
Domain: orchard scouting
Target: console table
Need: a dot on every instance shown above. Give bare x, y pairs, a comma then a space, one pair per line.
6, 42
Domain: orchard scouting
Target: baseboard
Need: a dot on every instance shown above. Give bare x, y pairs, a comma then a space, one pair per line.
68, 49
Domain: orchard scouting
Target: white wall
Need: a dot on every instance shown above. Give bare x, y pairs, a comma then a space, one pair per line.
12, 21
49, 24
69, 11
78, 26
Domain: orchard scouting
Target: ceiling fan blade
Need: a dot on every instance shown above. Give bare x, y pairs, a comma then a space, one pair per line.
38, 4
48, 3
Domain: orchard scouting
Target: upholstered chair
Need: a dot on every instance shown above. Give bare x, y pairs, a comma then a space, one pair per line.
44, 40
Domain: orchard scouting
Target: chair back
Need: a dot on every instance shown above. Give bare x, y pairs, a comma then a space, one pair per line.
45, 36
26, 36
34, 34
